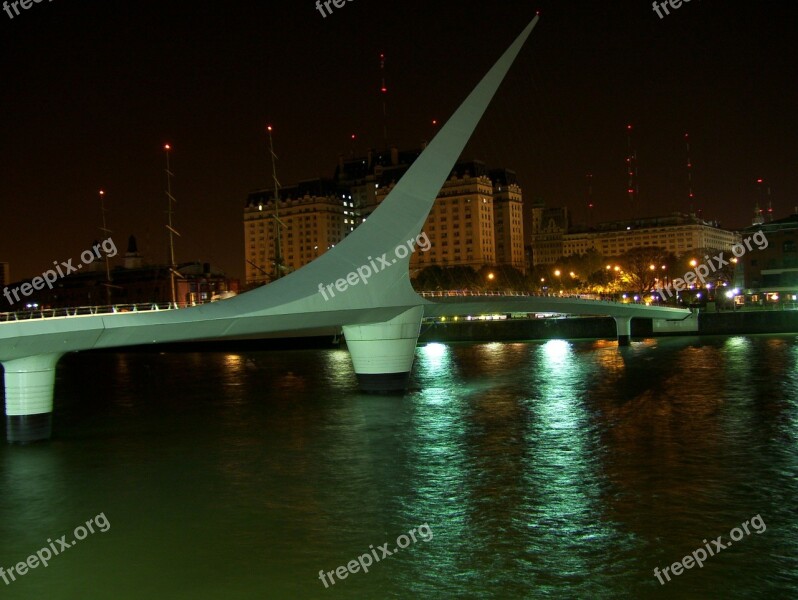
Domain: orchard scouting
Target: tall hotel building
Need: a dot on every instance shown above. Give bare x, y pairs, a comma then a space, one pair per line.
315, 215
476, 220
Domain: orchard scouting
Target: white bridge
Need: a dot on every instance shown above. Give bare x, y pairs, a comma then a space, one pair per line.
380, 319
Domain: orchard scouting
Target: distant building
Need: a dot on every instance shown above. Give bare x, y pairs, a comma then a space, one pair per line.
770, 271
544, 232
5, 274
508, 219
315, 215
677, 233
133, 283
551, 235
477, 219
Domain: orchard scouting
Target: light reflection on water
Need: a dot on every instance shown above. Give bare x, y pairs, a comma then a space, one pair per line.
545, 470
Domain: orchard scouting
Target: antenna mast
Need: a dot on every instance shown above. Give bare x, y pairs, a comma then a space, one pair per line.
384, 92
278, 255
172, 231
632, 188
690, 195
107, 232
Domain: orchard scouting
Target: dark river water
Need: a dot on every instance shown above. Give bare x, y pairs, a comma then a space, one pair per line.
524, 470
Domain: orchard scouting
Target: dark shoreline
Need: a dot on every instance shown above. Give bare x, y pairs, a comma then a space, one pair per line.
722, 323
712, 323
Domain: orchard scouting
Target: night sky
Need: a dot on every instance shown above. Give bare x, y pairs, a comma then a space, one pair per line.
91, 91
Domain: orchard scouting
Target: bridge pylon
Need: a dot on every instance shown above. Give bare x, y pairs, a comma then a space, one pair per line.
382, 353
29, 384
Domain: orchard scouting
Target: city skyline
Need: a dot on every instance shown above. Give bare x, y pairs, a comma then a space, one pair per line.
87, 110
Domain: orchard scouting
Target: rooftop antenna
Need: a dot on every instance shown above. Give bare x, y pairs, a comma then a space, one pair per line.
770, 207
632, 188
384, 92
278, 246
689, 173
172, 231
106, 232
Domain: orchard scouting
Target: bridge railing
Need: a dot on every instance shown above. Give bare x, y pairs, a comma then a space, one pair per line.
507, 293
50, 313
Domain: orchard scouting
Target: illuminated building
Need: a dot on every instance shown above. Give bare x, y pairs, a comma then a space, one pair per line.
477, 219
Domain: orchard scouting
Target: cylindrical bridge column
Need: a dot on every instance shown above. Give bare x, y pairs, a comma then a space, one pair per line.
623, 326
29, 385
383, 353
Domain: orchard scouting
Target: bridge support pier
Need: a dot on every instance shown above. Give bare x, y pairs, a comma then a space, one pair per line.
623, 325
383, 353
29, 384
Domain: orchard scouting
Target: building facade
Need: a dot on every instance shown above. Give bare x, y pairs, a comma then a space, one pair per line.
679, 234
460, 225
195, 283
476, 220
545, 229
770, 266
313, 216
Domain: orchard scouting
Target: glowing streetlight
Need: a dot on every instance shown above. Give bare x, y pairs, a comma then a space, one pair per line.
491, 276
557, 273
693, 262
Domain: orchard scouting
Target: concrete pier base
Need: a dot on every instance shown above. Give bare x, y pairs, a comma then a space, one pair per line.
623, 325
29, 387
383, 353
